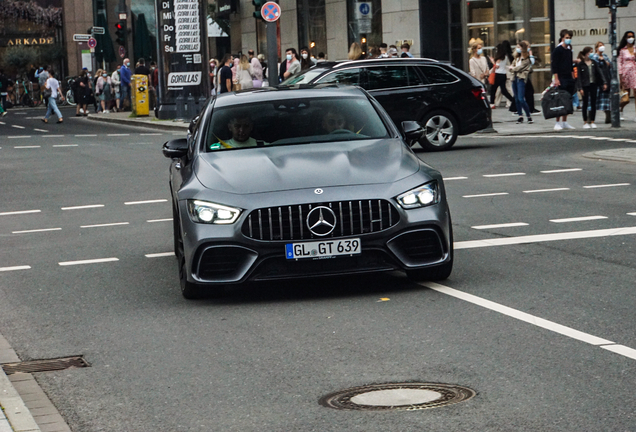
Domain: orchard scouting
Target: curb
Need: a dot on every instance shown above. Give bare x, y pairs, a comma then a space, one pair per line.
140, 123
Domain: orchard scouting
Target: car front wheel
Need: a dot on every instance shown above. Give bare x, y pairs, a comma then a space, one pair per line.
440, 131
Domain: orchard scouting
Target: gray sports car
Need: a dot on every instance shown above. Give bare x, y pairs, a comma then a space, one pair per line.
303, 182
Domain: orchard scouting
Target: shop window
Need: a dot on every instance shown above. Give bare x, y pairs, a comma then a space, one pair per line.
312, 26
368, 33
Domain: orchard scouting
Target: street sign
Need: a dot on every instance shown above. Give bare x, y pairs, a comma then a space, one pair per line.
81, 37
99, 30
270, 11
363, 15
122, 16
92, 43
122, 52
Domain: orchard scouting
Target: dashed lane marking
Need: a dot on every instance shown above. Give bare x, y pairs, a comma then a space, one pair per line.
504, 175
505, 225
455, 178
91, 261
578, 219
630, 214
606, 185
41, 130
539, 238
118, 135
534, 320
145, 202
65, 145
24, 267
104, 225
18, 127
485, 195
26, 147
19, 212
159, 255
83, 207
160, 220
546, 190
19, 136
561, 170
86, 135
51, 136
151, 134
36, 230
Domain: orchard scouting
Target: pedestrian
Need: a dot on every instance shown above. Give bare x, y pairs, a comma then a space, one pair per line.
53, 86
257, 70
321, 57
355, 52
42, 75
82, 93
561, 68
142, 69
116, 80
529, 86
4, 87
384, 50
478, 65
591, 78
125, 75
306, 61
225, 75
213, 80
405, 50
291, 64
244, 74
95, 99
627, 64
604, 64
104, 91
520, 69
153, 84
261, 60
503, 59
393, 51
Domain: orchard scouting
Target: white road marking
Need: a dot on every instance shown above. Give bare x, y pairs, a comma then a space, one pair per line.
19, 136
607, 185
24, 212
104, 225
118, 135
41, 130
87, 135
159, 255
455, 178
546, 190
83, 207
91, 261
51, 136
139, 143
506, 225
145, 202
578, 219
36, 230
631, 214
539, 238
485, 195
65, 145
619, 139
151, 134
534, 320
517, 314
18, 127
2, 123
23, 147
170, 219
504, 175
562, 170
25, 267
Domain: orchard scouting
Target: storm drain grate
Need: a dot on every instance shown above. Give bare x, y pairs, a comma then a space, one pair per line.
45, 365
397, 396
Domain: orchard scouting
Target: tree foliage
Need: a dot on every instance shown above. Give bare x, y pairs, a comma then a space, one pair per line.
18, 58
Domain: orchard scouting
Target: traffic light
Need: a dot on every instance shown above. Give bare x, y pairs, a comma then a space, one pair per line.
606, 3
121, 33
258, 5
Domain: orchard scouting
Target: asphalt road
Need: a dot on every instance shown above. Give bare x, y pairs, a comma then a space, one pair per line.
531, 320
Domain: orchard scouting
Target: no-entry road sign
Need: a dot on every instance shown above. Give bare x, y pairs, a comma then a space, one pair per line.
270, 11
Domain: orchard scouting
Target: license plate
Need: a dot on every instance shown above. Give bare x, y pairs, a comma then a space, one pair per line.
323, 249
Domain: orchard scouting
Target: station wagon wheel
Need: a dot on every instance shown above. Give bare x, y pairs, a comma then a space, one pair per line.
440, 131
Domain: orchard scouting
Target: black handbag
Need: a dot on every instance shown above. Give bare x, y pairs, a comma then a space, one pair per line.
556, 103
47, 93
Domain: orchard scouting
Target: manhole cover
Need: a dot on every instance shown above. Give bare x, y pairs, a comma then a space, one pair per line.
397, 396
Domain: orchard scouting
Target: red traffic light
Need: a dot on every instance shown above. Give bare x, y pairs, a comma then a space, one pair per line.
119, 26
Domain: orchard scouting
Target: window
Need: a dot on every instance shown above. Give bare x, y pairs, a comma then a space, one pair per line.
347, 76
414, 77
383, 77
437, 75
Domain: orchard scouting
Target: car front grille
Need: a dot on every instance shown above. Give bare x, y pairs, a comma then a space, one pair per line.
290, 222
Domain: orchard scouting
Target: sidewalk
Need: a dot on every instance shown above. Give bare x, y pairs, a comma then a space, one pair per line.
146, 121
504, 122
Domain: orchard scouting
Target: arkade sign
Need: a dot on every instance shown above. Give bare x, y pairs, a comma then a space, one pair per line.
29, 41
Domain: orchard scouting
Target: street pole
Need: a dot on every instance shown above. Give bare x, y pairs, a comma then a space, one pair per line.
272, 54
614, 84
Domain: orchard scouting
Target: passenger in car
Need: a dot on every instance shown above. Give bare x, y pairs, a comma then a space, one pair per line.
241, 127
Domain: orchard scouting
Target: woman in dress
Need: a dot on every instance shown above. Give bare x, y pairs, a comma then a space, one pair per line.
478, 65
627, 63
605, 66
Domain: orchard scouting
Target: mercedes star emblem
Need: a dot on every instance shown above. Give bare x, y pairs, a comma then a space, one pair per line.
321, 221
318, 191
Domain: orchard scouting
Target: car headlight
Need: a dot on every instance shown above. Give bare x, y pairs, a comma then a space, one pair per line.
421, 196
211, 213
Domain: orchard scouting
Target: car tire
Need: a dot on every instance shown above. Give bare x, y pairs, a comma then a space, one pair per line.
440, 131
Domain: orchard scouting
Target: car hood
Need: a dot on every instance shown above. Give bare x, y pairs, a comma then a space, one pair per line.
269, 169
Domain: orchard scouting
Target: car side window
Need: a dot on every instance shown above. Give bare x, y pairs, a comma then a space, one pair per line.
415, 79
347, 76
382, 77
437, 75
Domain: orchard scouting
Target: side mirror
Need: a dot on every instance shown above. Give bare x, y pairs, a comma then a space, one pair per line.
413, 131
176, 148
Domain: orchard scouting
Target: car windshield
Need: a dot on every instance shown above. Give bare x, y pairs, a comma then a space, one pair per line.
294, 122
304, 78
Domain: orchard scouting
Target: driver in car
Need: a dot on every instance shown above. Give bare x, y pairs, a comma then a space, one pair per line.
240, 127
333, 121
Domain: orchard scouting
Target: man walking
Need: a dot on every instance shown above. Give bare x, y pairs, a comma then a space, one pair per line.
225, 78
125, 75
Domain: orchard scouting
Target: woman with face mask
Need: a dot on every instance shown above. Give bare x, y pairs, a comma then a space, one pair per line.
605, 66
520, 69
306, 61
478, 65
562, 67
627, 64
104, 91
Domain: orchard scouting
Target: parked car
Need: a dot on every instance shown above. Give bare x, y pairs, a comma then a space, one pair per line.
291, 183
446, 101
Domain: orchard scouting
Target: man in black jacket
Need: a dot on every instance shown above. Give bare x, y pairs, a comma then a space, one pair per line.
562, 66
